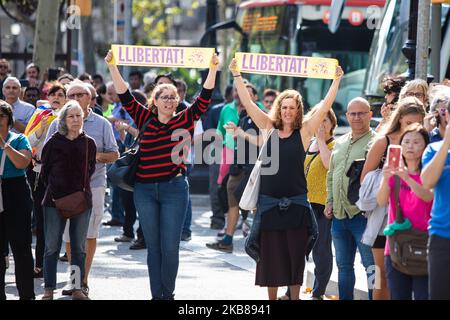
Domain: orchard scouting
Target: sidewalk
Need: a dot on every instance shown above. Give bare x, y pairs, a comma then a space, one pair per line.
204, 274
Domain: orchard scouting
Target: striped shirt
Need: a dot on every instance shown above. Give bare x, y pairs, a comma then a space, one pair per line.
164, 147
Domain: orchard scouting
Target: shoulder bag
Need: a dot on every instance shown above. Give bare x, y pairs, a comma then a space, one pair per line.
122, 173
75, 203
408, 247
250, 195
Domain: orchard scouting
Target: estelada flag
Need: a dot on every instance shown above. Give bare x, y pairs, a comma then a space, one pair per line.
35, 121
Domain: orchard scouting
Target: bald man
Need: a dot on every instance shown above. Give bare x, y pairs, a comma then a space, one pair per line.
348, 223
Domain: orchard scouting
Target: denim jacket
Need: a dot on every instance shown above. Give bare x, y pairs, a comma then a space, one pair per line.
266, 203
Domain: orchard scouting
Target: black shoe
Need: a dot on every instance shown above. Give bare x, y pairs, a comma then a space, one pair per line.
220, 246
113, 223
217, 225
64, 258
123, 238
68, 290
138, 245
186, 237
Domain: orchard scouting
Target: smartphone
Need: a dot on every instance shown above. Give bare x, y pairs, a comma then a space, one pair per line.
394, 156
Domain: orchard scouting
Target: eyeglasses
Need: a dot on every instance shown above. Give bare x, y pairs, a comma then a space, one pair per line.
418, 95
168, 98
357, 114
3, 66
76, 95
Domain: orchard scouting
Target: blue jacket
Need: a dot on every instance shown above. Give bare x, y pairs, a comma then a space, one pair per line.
266, 203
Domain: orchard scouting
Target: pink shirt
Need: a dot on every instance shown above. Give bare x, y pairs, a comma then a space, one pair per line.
413, 208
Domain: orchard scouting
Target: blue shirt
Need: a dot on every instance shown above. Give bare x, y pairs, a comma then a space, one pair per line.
99, 129
435, 135
22, 111
17, 141
440, 213
119, 113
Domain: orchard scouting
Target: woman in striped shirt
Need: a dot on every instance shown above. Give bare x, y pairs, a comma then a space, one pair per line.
161, 189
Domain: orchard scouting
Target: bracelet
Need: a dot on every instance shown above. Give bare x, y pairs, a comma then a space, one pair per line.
236, 76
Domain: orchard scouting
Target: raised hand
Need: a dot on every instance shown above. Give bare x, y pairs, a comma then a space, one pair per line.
339, 72
109, 57
215, 61
234, 67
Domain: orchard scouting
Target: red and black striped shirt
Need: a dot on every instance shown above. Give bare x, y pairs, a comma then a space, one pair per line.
164, 147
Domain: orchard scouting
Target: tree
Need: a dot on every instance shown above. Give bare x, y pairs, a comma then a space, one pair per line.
45, 33
157, 17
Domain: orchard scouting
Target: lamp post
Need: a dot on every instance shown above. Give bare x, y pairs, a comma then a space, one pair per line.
15, 31
409, 48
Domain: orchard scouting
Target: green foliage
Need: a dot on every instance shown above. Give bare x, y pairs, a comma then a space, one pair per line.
157, 17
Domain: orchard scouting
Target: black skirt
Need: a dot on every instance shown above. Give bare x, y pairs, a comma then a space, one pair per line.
282, 257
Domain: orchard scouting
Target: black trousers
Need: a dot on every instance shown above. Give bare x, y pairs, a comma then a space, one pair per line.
15, 228
38, 192
127, 199
438, 263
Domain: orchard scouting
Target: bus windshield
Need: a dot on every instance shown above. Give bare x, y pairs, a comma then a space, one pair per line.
300, 29
386, 57
269, 29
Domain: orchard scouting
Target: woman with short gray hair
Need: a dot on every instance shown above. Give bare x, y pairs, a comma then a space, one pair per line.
68, 162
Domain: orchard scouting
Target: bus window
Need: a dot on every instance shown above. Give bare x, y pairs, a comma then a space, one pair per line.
386, 57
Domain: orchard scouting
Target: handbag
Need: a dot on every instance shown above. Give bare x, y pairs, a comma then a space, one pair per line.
75, 203
122, 173
354, 183
250, 195
408, 247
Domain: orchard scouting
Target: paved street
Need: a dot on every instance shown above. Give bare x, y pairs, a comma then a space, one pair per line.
121, 274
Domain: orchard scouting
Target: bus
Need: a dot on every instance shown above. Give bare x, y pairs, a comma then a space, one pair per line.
300, 27
386, 57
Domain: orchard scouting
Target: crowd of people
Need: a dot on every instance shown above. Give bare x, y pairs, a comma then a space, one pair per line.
60, 136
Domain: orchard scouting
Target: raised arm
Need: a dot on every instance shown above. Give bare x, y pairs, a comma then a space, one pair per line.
261, 119
433, 169
374, 157
310, 124
210, 81
119, 84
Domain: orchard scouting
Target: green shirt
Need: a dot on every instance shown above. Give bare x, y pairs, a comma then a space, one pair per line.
344, 152
108, 112
229, 113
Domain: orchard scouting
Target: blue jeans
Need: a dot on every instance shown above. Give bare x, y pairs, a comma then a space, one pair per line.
347, 234
54, 228
117, 212
162, 208
188, 218
401, 286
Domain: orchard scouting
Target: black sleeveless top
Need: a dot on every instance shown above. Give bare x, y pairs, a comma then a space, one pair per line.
288, 181
290, 178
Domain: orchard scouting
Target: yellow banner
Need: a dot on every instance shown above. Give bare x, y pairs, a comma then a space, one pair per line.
283, 65
178, 57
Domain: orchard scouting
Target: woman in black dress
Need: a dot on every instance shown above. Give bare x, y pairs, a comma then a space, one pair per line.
286, 220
